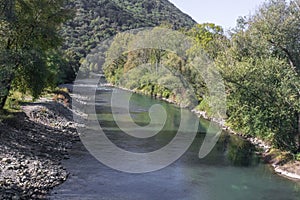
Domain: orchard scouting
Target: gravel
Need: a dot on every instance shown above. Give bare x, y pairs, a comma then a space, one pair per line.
32, 146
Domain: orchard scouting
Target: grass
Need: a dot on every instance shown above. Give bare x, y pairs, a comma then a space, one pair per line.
6, 115
16, 98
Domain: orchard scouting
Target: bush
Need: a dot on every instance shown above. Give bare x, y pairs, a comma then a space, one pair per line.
297, 157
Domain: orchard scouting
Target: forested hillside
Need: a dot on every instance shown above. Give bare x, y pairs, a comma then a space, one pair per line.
63, 35
259, 63
96, 20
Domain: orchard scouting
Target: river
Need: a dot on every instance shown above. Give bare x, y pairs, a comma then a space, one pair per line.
232, 171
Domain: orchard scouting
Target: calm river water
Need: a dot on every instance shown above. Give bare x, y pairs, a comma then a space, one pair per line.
230, 172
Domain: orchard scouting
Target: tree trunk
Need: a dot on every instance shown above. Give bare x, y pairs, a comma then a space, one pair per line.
2, 103
298, 133
4, 98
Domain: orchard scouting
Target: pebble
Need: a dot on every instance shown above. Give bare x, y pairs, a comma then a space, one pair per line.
32, 150
6, 160
16, 197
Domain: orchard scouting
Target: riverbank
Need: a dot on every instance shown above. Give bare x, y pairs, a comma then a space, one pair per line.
35, 141
282, 165
33, 144
282, 162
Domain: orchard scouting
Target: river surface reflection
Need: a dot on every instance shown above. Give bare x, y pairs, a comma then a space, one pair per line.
231, 171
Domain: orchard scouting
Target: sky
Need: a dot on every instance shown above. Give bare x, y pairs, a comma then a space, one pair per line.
220, 12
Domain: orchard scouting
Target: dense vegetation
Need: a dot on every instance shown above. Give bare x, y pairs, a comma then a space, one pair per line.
258, 60
96, 20
261, 69
40, 47
259, 63
29, 42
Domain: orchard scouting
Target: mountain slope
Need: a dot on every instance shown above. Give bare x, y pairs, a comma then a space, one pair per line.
96, 20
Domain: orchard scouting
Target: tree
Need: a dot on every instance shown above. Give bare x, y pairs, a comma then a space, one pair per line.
261, 70
29, 29
208, 42
263, 101
278, 24
208, 37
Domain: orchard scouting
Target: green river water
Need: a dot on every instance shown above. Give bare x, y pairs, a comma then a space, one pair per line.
232, 171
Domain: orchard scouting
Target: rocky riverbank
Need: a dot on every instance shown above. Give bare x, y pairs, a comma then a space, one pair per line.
33, 144
281, 164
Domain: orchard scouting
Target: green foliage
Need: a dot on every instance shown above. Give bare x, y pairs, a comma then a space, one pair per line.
149, 65
260, 69
204, 106
61, 68
32, 74
297, 157
208, 38
97, 20
277, 23
259, 64
28, 31
263, 100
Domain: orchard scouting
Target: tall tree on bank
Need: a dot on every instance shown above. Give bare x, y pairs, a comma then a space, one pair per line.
28, 33
261, 70
278, 23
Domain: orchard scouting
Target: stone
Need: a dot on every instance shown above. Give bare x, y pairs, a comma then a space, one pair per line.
6, 160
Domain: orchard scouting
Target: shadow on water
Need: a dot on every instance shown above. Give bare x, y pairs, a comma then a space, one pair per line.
241, 152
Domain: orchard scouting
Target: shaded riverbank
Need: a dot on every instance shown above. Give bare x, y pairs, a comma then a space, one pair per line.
282, 162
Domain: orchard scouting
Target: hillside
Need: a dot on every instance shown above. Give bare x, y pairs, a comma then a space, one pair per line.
96, 20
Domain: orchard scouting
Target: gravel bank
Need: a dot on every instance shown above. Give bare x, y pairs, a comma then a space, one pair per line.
32, 146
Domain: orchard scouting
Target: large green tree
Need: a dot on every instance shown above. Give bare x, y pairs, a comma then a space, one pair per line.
261, 70
28, 32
